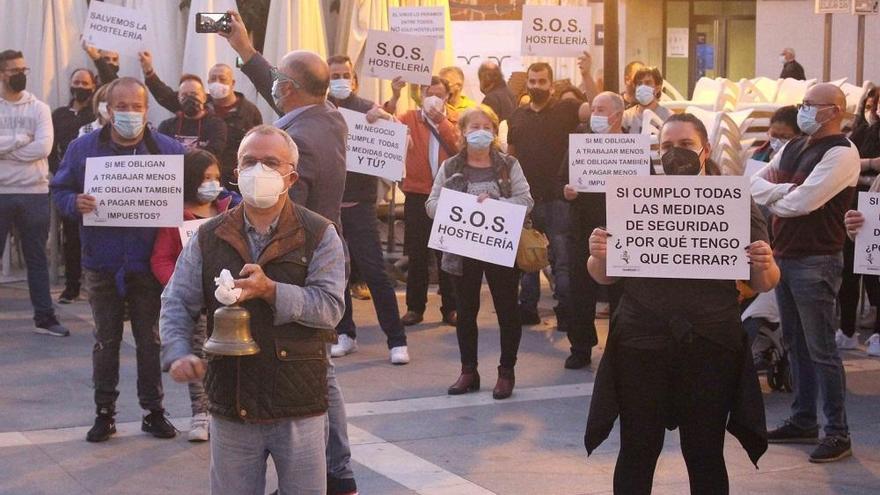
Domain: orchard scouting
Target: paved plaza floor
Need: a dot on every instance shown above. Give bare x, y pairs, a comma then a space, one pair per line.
407, 435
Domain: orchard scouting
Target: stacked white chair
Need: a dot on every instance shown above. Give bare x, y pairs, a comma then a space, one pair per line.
709, 94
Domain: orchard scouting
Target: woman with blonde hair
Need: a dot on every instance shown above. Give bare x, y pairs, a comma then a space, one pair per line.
483, 170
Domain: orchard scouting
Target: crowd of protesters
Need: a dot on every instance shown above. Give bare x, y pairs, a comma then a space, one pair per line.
289, 221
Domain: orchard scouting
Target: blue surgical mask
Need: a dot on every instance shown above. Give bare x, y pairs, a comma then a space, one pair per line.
480, 140
806, 119
340, 88
208, 191
645, 94
776, 143
129, 125
599, 124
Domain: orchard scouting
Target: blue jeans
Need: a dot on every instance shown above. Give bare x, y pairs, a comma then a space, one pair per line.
30, 215
362, 236
807, 294
239, 452
552, 218
338, 449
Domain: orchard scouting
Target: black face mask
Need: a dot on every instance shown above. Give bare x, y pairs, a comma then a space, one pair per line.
191, 107
539, 96
81, 95
681, 161
113, 68
17, 82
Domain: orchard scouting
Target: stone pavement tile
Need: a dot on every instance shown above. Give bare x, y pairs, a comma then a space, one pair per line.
371, 482
135, 465
28, 470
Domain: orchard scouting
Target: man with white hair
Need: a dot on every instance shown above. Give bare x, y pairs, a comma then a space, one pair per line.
293, 268
297, 89
790, 67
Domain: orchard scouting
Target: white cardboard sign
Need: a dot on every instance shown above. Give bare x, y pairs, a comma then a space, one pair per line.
689, 227
388, 55
420, 21
487, 231
374, 149
594, 157
111, 27
135, 191
867, 250
189, 228
555, 31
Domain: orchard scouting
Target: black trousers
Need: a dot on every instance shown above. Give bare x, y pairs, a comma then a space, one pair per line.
586, 215
503, 285
72, 254
691, 384
415, 238
848, 296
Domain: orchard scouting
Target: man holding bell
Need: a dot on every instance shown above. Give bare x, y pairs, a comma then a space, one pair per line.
292, 271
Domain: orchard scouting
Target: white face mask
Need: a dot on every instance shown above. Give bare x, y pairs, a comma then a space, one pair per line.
208, 191
777, 143
218, 90
782, 59
645, 94
260, 185
599, 124
340, 88
872, 117
432, 102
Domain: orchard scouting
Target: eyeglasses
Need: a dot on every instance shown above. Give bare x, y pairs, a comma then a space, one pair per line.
277, 75
808, 106
250, 161
19, 70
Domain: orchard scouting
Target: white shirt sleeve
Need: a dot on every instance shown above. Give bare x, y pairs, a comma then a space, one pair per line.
838, 169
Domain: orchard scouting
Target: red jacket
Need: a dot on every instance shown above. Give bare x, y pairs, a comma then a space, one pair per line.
168, 246
418, 166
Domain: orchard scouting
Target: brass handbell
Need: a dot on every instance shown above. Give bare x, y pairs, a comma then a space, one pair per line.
232, 333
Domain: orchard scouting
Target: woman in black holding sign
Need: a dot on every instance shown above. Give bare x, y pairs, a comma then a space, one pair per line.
483, 170
677, 353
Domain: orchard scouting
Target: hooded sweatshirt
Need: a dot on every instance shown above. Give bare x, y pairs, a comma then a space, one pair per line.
26, 137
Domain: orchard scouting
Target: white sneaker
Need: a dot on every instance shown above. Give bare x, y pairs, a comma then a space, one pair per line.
346, 345
844, 342
399, 355
198, 428
873, 344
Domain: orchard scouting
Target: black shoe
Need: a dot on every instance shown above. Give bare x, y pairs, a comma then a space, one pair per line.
451, 318
68, 296
157, 424
411, 318
789, 433
577, 360
833, 448
529, 317
341, 486
105, 426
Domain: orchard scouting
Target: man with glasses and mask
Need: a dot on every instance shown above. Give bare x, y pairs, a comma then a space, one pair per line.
587, 213
292, 270
297, 90
26, 136
808, 186
116, 261
195, 126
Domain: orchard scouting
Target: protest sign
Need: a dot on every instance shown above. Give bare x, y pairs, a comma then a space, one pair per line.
111, 27
555, 31
487, 231
189, 228
867, 250
594, 157
388, 55
135, 191
374, 149
420, 21
691, 227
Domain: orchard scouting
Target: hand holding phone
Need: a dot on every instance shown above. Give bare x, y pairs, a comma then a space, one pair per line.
213, 22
